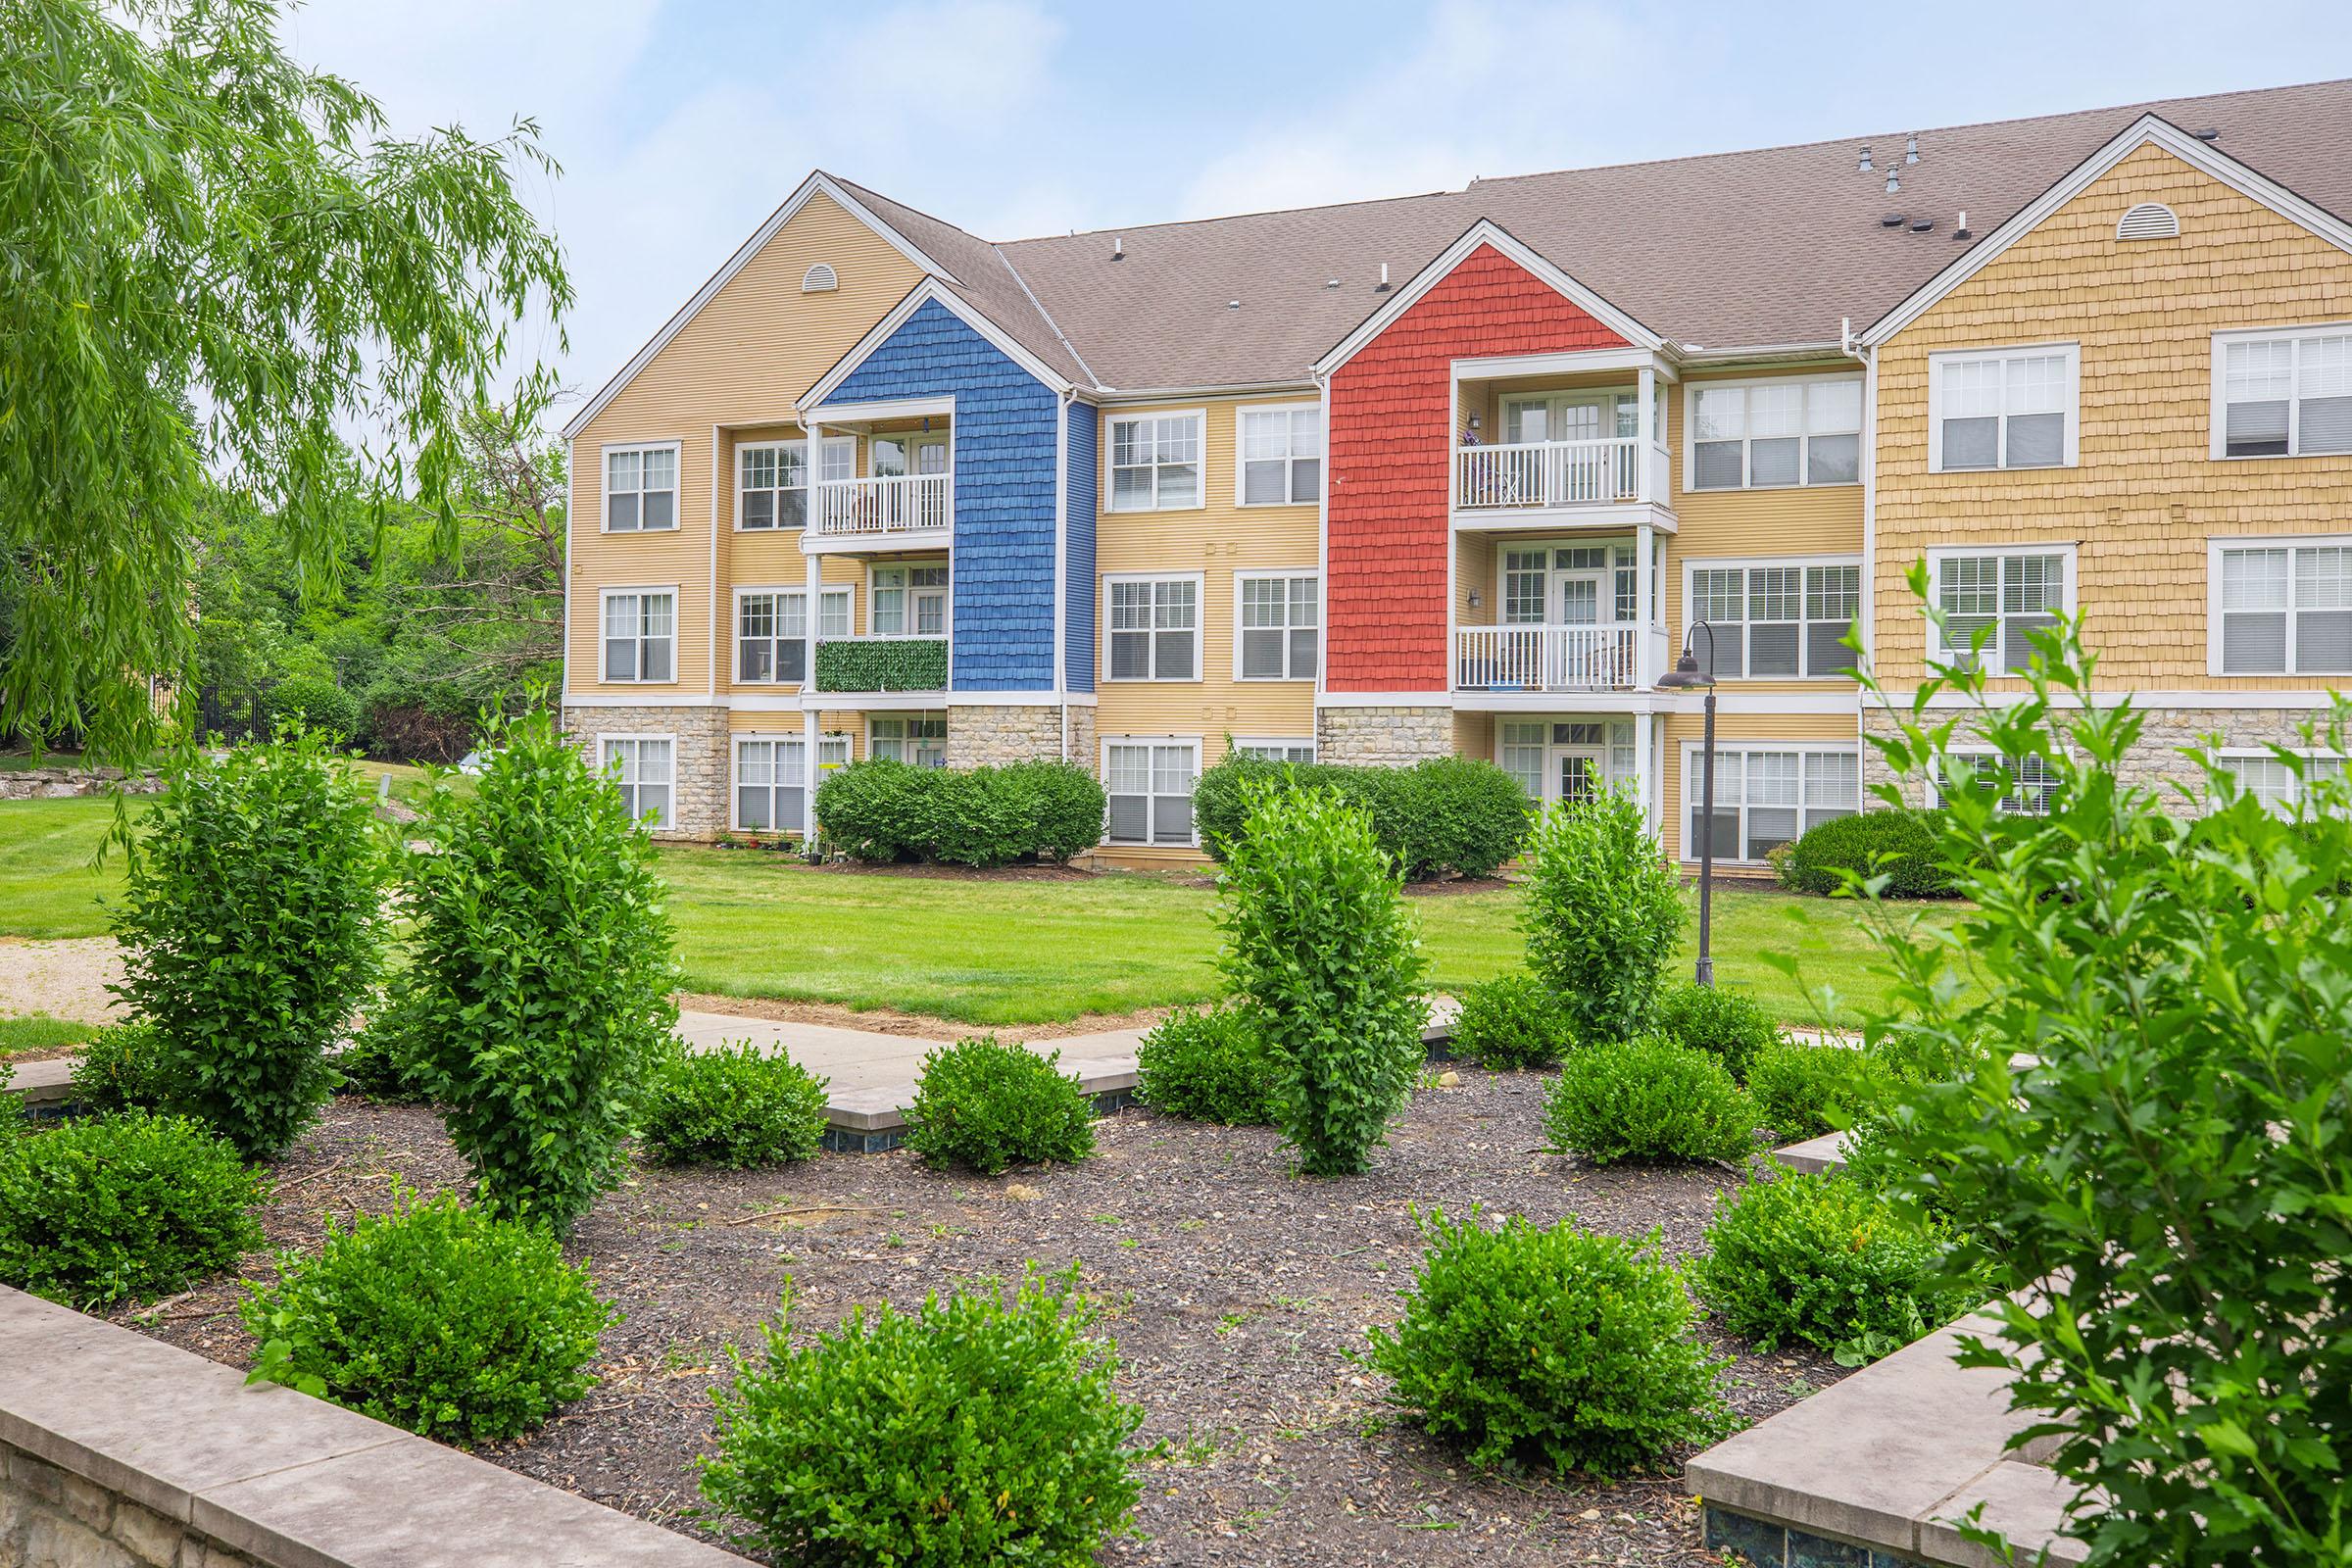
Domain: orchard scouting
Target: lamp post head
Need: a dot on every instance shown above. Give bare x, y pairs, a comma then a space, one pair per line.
1684, 676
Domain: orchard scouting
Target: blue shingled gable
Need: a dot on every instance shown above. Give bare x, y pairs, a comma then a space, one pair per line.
1005, 450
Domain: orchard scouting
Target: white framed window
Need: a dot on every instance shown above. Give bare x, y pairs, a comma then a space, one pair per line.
1519, 749
641, 488
1788, 430
641, 634
832, 752
771, 479
2280, 607
1151, 787
1281, 455
1155, 462
2032, 782
1153, 629
909, 600
642, 765
1766, 795
771, 631
771, 777
1276, 625
1782, 620
1276, 751
2004, 409
920, 740
2016, 593
2272, 780
2283, 394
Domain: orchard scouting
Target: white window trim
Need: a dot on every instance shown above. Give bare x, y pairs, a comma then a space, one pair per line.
1102, 764
603, 594
809, 484
900, 715
669, 821
1284, 575
1110, 485
845, 591
1200, 582
1695, 565
947, 615
2269, 753
1691, 391
735, 777
1936, 363
1937, 799
1240, 412
1690, 795
2218, 545
1239, 744
2219, 419
603, 485
1939, 554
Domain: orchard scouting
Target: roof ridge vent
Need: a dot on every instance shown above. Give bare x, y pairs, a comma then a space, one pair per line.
2149, 221
1118, 247
1863, 165
1911, 148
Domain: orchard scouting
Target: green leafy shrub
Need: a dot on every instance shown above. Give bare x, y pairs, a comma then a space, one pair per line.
1648, 1099
1818, 1260
1803, 1090
1563, 1346
882, 810
1732, 1024
972, 1432
1897, 844
316, 703
379, 1063
540, 982
1451, 812
988, 1106
1207, 1065
1602, 913
126, 1207
124, 1067
733, 1106
2177, 1150
1512, 1020
437, 1319
252, 928
1318, 942
882, 665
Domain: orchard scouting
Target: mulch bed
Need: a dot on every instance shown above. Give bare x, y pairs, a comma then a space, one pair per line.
1236, 1291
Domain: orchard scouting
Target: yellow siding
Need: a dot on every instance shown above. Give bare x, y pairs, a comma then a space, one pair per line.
1843, 728
1217, 540
757, 344
2147, 494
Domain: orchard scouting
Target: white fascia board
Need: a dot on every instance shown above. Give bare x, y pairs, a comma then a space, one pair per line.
930, 289
817, 182
2148, 129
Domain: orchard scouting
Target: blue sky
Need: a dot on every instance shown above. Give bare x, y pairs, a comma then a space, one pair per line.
680, 125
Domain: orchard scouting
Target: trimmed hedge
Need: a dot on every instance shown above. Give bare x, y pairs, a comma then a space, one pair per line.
1906, 838
1732, 1024
319, 703
1208, 1064
882, 665
1512, 1020
1448, 812
1649, 1099
883, 811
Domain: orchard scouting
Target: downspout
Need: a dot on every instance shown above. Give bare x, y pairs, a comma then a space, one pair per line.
1323, 563
711, 605
571, 490
1855, 349
1061, 568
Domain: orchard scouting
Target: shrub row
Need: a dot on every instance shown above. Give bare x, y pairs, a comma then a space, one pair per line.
884, 811
1448, 812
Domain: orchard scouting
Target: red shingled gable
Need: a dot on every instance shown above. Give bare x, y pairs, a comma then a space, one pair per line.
1392, 440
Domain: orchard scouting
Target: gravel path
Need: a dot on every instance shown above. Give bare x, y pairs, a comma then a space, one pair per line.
1236, 1292
63, 979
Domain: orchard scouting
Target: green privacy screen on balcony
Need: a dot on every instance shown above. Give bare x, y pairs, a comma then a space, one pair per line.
882, 665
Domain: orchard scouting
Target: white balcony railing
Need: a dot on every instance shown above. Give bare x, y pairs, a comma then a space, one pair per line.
913, 502
1548, 474
1546, 658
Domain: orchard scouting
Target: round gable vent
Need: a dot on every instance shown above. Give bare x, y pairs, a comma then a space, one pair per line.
2149, 221
821, 279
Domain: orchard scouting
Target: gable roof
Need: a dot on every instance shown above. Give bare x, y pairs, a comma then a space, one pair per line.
950, 298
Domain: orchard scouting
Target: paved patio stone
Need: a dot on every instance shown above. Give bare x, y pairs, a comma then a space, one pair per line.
1826, 1153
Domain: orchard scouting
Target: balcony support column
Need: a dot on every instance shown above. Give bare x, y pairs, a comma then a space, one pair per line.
1646, 427
813, 614
1645, 595
1646, 772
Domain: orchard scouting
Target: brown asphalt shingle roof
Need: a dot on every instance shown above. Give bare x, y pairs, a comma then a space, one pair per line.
1732, 249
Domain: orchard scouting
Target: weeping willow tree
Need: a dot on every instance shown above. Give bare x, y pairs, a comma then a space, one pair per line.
214, 266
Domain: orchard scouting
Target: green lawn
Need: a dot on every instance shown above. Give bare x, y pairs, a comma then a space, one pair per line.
986, 951
38, 1031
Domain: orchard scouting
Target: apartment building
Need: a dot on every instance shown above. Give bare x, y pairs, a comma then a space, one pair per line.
1460, 472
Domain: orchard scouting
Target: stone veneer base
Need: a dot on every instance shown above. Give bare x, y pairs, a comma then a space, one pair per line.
1390, 737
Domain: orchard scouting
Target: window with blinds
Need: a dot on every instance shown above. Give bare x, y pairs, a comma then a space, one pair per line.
2013, 409
2005, 598
2284, 609
1771, 434
2288, 395
1764, 796
1278, 626
1777, 621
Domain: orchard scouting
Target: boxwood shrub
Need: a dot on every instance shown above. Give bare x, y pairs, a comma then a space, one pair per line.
1803, 1090
1512, 1020
882, 810
1732, 1024
318, 704
1565, 1346
734, 1105
438, 1318
1447, 813
987, 1106
1906, 839
1648, 1099
124, 1207
1207, 1065
124, 1067
972, 1432
1819, 1260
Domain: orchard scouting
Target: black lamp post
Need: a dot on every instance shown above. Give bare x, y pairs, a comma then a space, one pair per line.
1686, 676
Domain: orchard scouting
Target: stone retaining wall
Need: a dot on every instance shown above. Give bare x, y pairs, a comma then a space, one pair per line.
990, 734
62, 783
1390, 737
53, 1518
2157, 758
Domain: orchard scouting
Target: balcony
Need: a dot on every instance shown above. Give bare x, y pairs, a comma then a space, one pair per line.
899, 511
1502, 659
874, 664
1544, 479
